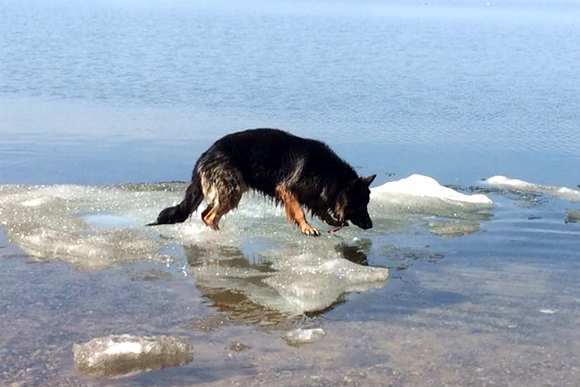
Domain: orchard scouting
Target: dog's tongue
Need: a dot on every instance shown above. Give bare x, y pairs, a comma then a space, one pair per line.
336, 229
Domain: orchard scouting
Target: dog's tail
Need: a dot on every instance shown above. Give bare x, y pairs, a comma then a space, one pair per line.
180, 212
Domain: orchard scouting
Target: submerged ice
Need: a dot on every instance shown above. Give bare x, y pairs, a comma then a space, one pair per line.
257, 254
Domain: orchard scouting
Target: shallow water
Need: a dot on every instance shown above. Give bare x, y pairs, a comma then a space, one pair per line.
100, 102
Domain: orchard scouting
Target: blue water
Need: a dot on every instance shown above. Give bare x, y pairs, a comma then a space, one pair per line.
457, 90
124, 91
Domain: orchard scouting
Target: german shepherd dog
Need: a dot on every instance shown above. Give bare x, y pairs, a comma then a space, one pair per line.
294, 171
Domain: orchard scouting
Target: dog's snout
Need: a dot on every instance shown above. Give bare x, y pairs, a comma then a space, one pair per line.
363, 222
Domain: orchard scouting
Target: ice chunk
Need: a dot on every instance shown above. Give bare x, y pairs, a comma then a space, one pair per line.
303, 336
119, 355
420, 194
572, 195
572, 216
452, 227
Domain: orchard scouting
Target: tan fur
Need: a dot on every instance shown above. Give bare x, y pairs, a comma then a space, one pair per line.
294, 212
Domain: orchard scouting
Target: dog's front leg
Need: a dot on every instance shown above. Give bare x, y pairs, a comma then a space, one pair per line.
294, 212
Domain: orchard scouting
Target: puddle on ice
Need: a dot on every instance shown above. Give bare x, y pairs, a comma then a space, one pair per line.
256, 254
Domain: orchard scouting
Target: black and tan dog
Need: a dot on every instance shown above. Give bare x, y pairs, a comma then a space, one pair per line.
293, 170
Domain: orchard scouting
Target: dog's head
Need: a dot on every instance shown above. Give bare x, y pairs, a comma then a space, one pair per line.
352, 204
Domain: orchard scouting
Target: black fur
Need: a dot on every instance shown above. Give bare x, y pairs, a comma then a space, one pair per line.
266, 159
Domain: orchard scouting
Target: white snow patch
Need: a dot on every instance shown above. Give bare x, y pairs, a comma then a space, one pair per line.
425, 187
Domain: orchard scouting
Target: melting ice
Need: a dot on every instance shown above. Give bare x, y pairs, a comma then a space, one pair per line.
503, 182
451, 213
256, 254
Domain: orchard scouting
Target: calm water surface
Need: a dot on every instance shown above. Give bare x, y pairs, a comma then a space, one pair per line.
110, 92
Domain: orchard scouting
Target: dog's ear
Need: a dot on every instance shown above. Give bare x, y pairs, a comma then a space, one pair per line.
368, 180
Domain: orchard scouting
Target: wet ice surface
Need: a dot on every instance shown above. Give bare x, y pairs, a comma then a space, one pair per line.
463, 301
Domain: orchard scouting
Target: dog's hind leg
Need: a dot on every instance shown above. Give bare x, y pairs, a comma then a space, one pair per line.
213, 213
205, 215
294, 212
224, 189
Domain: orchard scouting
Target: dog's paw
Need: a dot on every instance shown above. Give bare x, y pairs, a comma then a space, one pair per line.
309, 230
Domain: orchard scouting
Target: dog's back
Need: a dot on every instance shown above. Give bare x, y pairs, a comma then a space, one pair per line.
267, 158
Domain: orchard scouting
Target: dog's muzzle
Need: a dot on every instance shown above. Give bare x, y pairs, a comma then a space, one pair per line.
364, 222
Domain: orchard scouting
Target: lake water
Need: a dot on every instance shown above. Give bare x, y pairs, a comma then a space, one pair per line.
100, 101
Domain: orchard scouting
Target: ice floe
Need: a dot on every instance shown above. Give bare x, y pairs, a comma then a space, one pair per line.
257, 254
503, 182
120, 355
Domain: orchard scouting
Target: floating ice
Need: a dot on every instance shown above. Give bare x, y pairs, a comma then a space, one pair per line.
419, 194
303, 336
503, 182
119, 355
452, 227
572, 216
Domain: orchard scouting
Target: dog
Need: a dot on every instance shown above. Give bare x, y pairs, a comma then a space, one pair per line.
294, 171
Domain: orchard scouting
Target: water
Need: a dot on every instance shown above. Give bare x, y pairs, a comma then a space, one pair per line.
99, 101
